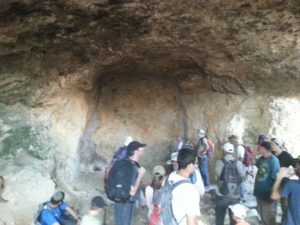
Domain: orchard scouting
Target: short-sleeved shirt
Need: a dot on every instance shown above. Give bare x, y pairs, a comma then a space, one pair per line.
51, 215
265, 177
136, 167
291, 189
285, 159
186, 199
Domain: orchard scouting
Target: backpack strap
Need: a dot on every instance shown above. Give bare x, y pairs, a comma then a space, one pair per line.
176, 184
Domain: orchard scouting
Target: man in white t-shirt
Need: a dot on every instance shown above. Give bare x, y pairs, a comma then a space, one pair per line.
186, 198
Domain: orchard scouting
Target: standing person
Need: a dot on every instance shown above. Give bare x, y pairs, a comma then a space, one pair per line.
239, 149
55, 212
229, 173
289, 188
239, 213
186, 198
156, 183
179, 143
2, 187
202, 151
278, 148
172, 163
95, 215
285, 160
123, 211
268, 167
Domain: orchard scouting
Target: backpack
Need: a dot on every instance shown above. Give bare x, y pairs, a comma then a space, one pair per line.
230, 180
249, 156
121, 153
211, 148
120, 178
163, 199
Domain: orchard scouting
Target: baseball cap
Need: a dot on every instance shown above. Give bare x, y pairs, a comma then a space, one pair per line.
58, 197
227, 147
98, 202
238, 210
173, 158
262, 138
134, 145
128, 140
159, 170
278, 141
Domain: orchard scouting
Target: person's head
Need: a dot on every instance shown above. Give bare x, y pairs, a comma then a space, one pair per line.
173, 160
264, 149
277, 145
57, 198
158, 170
127, 140
135, 148
297, 166
187, 159
262, 138
179, 139
201, 133
228, 149
233, 139
238, 211
97, 203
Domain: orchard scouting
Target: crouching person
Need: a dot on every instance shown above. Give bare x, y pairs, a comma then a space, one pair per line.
57, 212
96, 214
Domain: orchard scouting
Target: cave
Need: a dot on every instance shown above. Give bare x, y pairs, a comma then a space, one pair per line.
78, 76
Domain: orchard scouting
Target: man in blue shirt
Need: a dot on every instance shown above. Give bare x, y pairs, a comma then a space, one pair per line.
289, 188
54, 210
268, 167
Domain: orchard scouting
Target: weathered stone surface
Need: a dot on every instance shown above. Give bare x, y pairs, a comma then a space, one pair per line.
78, 76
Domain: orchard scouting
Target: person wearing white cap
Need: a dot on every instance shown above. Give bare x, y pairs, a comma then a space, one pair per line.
229, 174
239, 213
203, 159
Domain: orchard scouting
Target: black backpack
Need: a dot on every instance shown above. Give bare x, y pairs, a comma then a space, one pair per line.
120, 178
230, 181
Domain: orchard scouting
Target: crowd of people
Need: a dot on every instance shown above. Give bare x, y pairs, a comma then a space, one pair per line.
185, 178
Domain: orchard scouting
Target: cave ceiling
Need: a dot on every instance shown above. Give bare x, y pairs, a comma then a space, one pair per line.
237, 47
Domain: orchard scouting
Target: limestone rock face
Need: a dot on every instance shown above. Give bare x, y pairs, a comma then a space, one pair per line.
78, 76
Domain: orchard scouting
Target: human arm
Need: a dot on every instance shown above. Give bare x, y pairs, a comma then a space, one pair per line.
134, 189
74, 215
276, 187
